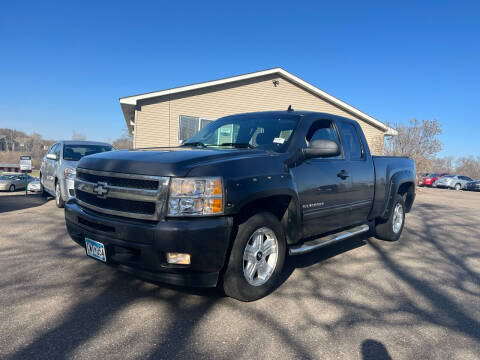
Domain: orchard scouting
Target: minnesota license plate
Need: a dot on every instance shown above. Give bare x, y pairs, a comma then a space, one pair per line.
95, 249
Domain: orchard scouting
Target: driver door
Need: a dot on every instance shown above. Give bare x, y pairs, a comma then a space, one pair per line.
323, 185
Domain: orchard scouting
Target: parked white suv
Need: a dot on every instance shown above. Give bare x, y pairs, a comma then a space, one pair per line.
57, 173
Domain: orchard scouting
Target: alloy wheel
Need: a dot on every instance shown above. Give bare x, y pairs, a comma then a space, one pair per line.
260, 256
397, 218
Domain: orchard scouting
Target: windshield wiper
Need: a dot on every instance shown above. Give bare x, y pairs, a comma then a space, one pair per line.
195, 143
238, 145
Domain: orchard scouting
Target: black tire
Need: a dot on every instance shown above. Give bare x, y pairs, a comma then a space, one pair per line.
11, 188
235, 283
384, 230
458, 187
42, 188
58, 196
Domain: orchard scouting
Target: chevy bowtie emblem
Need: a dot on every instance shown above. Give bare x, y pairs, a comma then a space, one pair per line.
101, 189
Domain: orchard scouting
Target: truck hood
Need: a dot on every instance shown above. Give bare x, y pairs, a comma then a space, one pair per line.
166, 162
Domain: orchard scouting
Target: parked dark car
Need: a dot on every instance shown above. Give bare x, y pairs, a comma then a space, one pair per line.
234, 200
472, 186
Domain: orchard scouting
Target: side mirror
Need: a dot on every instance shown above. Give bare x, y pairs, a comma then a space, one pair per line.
52, 156
321, 148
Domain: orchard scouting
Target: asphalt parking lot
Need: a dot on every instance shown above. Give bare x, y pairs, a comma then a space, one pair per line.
418, 298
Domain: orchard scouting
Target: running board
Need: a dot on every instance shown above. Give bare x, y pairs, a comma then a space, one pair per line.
327, 240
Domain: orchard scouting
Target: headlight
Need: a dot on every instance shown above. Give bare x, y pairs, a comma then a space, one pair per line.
195, 196
69, 173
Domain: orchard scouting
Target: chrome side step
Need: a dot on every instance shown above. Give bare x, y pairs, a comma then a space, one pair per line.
327, 240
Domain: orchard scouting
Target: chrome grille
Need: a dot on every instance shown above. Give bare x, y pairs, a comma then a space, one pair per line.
127, 195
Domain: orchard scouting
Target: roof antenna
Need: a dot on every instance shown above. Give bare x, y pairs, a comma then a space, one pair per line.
289, 108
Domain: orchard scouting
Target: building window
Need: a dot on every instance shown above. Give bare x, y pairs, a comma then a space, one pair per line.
190, 125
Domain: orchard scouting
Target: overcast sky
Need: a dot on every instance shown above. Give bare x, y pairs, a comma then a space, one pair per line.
64, 65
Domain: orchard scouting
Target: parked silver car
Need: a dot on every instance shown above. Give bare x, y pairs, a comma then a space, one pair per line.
456, 182
13, 182
34, 186
58, 169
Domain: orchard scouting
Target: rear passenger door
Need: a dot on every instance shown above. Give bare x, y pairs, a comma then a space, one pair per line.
361, 170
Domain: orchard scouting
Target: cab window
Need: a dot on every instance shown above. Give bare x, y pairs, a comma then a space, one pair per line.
351, 142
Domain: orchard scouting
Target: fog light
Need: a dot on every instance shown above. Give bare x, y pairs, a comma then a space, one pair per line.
178, 258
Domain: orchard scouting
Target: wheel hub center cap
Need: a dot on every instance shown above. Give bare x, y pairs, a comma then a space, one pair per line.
259, 255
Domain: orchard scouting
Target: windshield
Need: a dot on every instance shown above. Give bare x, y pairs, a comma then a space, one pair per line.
76, 152
448, 176
271, 133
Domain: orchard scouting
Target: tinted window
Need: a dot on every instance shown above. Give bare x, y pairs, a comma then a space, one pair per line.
351, 142
76, 152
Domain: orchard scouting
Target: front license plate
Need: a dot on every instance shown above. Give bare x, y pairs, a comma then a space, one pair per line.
95, 249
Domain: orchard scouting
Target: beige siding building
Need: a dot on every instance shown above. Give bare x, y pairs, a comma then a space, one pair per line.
165, 118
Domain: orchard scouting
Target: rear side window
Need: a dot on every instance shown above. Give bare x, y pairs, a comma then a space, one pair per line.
351, 141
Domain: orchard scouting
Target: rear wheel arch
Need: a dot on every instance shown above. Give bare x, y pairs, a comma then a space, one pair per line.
396, 181
407, 191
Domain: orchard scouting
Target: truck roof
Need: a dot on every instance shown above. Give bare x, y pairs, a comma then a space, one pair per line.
309, 115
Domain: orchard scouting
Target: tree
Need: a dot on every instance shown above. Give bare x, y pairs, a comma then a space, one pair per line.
78, 136
12, 138
125, 141
18, 143
417, 140
469, 166
443, 165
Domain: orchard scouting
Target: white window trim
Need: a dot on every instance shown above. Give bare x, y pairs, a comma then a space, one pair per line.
199, 123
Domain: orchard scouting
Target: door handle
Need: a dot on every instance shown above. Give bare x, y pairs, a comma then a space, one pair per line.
343, 175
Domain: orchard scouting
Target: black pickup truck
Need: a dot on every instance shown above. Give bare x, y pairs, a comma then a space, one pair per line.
227, 206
